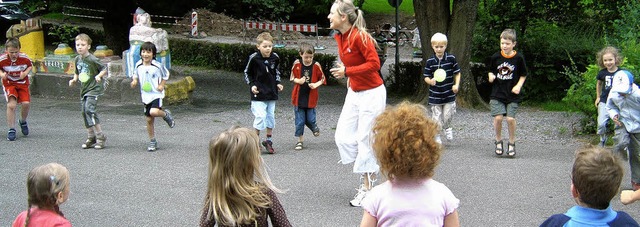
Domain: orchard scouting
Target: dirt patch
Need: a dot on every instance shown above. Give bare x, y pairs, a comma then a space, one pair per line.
215, 24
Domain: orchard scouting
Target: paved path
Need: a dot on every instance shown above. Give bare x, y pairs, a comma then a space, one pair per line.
123, 185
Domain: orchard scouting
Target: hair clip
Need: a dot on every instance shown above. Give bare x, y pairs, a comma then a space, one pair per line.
53, 180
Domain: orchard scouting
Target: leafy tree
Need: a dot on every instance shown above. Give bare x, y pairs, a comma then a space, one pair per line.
456, 19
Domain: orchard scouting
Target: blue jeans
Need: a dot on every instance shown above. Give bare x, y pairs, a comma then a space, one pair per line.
305, 116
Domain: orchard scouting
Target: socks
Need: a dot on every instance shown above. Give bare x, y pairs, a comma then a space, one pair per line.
268, 137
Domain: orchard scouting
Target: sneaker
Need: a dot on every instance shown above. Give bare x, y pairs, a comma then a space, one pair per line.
100, 141
316, 132
269, 146
153, 145
24, 128
357, 199
11, 135
449, 134
169, 119
90, 143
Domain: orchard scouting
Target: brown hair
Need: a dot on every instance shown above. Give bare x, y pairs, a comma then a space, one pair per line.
84, 37
265, 36
404, 142
508, 34
609, 50
306, 48
12, 42
44, 183
596, 175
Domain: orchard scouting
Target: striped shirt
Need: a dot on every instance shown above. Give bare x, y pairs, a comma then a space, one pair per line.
441, 93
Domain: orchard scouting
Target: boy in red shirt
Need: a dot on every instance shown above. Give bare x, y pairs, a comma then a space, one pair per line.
14, 70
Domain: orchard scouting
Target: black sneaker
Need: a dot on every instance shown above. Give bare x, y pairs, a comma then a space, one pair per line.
11, 135
269, 146
24, 128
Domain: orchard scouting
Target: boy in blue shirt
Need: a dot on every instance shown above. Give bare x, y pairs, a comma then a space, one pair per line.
595, 180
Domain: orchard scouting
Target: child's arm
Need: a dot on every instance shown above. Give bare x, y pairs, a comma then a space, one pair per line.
319, 82
516, 89
73, 80
25, 73
492, 77
368, 220
456, 82
629, 196
451, 220
100, 75
598, 90
161, 85
134, 82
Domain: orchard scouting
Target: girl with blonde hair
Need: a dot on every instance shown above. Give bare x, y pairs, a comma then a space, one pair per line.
47, 188
366, 95
239, 190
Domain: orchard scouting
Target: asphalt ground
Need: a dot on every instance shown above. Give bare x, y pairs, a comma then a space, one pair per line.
124, 185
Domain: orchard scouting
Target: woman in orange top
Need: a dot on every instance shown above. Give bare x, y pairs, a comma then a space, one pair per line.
366, 95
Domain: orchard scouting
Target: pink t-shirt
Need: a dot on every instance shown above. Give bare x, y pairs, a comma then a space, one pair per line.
422, 203
43, 218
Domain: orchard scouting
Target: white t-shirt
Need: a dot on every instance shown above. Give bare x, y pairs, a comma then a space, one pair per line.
152, 74
421, 203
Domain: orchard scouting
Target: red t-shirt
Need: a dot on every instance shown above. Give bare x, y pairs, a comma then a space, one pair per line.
40, 217
14, 68
360, 59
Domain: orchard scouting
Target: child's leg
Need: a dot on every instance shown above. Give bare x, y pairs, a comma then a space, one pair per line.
310, 120
12, 103
150, 127
299, 122
621, 140
259, 110
449, 109
436, 114
634, 160
511, 124
603, 118
497, 126
24, 111
270, 120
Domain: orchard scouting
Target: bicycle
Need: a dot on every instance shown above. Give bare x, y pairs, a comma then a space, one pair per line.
387, 34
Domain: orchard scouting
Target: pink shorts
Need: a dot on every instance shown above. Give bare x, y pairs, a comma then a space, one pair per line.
20, 91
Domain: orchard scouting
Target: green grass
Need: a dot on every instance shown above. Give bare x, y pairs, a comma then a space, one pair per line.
383, 7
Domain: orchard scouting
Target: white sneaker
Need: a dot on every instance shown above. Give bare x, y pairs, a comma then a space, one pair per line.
357, 200
449, 134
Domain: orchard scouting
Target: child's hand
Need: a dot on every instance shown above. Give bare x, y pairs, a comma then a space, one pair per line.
98, 79
430, 81
597, 102
491, 77
454, 88
23, 75
134, 83
615, 120
516, 90
254, 90
160, 87
314, 85
72, 82
280, 87
3, 75
626, 197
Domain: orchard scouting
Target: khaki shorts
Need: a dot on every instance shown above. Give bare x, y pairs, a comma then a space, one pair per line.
504, 109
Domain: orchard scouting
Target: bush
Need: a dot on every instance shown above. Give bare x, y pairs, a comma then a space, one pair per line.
407, 82
233, 57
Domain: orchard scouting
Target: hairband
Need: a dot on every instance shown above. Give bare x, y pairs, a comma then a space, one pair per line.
53, 179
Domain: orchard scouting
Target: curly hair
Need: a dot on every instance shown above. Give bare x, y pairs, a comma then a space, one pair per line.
404, 144
609, 50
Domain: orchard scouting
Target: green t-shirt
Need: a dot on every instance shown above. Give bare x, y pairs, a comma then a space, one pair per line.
90, 65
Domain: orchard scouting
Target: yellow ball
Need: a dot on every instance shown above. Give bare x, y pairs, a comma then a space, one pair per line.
84, 77
146, 86
439, 75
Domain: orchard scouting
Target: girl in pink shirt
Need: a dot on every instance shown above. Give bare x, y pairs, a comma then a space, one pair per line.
47, 188
404, 143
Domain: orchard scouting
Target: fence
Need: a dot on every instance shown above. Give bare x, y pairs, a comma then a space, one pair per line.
277, 26
72, 11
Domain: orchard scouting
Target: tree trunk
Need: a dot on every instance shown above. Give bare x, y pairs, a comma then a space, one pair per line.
116, 24
461, 36
433, 16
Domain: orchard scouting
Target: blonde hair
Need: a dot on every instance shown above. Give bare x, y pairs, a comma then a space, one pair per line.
355, 16
609, 50
84, 37
265, 36
44, 183
237, 178
508, 34
12, 42
403, 142
439, 38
